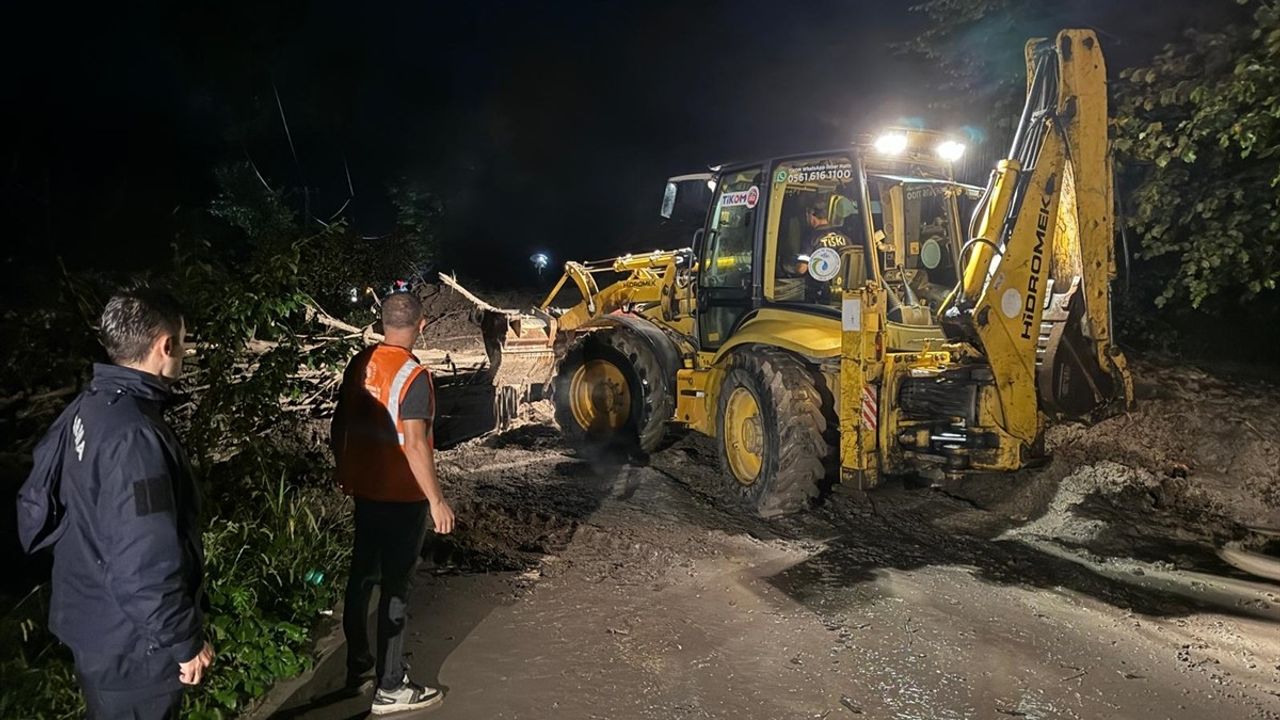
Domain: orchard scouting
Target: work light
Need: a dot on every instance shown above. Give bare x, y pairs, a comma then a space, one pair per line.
892, 143
950, 150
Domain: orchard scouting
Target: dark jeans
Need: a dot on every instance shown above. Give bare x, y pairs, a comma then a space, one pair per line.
143, 687
388, 542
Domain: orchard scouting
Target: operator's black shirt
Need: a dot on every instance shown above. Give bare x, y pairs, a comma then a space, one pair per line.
823, 236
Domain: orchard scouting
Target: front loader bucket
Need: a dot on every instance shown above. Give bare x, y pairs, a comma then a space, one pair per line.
521, 352
521, 357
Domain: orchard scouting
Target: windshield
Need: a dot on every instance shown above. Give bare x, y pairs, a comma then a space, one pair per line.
916, 230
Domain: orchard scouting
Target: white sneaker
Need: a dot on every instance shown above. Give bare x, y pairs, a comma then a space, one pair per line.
409, 696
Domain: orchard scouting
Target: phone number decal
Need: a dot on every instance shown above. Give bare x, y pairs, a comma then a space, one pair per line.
817, 173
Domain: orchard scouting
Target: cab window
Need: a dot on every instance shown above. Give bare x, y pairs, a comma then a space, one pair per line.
731, 233
816, 203
915, 234
726, 265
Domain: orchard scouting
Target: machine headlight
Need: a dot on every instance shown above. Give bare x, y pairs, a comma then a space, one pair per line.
891, 143
950, 150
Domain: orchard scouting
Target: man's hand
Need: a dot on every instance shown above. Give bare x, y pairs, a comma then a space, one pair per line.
442, 514
191, 672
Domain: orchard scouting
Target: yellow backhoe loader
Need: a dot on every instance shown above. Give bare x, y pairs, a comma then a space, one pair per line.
837, 321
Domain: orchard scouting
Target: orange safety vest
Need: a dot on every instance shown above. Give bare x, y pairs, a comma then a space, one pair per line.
371, 460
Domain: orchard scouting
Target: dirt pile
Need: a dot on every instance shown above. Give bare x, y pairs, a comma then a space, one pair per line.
1195, 463
449, 325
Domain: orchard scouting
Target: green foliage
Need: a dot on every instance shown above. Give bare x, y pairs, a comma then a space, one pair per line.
250, 282
1198, 130
250, 273
1195, 134
263, 603
36, 673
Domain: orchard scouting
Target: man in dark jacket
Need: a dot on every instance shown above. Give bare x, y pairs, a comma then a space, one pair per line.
128, 569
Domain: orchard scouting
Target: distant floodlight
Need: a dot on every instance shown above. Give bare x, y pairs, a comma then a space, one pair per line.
891, 143
540, 261
950, 150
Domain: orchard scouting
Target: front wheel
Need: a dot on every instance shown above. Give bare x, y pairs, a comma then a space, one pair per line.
772, 431
610, 390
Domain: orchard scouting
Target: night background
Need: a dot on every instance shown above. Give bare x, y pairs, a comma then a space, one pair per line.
540, 126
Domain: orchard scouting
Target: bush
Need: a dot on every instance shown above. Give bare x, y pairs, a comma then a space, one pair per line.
251, 276
272, 571
1197, 130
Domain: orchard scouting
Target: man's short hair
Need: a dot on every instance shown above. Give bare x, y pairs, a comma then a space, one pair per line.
401, 311
819, 210
134, 319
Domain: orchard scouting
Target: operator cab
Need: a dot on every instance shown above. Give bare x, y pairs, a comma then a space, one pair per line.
794, 232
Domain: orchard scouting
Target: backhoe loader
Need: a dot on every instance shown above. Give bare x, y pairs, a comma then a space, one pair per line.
836, 320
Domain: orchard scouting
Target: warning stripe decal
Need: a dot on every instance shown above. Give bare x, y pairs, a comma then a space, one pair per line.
870, 408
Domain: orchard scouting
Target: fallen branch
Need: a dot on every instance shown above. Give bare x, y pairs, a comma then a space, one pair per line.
453, 283
366, 333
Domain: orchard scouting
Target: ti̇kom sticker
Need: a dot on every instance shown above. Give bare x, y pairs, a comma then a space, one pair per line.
745, 198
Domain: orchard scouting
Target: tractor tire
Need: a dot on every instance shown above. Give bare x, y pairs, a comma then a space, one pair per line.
772, 427
610, 390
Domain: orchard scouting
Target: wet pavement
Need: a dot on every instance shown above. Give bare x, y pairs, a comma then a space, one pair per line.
582, 588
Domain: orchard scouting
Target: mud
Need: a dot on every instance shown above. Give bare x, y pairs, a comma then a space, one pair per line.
1196, 463
587, 586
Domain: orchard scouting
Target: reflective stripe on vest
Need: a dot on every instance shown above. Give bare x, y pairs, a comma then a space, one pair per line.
397, 393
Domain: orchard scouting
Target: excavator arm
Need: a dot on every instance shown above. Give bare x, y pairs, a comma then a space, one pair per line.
1035, 295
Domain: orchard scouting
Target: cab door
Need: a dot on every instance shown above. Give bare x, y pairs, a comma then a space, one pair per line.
727, 251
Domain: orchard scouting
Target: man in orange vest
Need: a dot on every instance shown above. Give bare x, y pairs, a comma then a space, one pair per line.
382, 440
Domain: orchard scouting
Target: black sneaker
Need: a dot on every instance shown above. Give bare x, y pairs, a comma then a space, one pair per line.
409, 696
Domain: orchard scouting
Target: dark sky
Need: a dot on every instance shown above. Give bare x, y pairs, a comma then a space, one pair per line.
542, 125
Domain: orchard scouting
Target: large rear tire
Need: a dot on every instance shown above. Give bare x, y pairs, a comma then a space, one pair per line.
772, 431
611, 390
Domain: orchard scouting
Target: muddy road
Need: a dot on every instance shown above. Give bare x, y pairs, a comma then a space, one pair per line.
583, 587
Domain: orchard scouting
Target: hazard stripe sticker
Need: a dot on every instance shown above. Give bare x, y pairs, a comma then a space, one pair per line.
870, 408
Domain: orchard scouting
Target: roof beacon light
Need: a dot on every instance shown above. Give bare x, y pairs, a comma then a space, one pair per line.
950, 150
892, 143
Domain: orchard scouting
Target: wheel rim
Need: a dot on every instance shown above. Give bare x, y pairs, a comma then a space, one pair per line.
743, 436
600, 397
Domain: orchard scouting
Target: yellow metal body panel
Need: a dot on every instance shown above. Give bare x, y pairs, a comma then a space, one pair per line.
776, 193
697, 396
1008, 312
1088, 202
861, 367
911, 337
807, 334
1008, 454
981, 253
